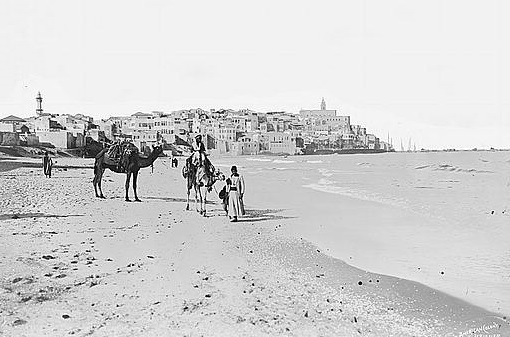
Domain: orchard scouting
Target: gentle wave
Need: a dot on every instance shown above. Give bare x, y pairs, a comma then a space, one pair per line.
326, 172
258, 159
327, 186
450, 168
314, 161
277, 161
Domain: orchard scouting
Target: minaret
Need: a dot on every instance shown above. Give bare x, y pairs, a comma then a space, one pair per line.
39, 109
323, 104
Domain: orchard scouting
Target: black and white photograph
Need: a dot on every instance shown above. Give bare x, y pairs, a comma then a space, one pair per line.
255, 168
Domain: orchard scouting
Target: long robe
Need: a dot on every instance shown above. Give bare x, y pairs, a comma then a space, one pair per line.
47, 165
235, 202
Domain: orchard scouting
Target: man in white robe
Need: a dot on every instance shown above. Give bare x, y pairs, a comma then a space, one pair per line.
236, 190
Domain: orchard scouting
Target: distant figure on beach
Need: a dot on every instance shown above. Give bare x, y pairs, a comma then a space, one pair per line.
47, 165
174, 162
236, 190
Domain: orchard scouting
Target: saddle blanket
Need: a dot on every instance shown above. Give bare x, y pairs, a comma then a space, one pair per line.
119, 153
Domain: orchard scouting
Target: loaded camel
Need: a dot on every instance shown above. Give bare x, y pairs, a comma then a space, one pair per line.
132, 163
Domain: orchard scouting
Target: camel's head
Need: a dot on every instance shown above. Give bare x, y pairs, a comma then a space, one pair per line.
218, 175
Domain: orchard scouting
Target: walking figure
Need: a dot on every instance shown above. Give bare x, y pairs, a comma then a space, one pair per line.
47, 165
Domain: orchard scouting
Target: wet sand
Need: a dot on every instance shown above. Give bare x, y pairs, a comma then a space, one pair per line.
72, 264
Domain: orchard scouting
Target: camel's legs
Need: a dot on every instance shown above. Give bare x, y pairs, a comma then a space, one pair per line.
197, 191
135, 178
99, 180
128, 178
94, 182
187, 202
189, 187
203, 197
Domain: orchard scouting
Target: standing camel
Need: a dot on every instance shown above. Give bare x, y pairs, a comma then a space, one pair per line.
132, 165
198, 178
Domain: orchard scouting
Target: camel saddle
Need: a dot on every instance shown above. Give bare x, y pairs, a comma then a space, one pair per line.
119, 154
192, 165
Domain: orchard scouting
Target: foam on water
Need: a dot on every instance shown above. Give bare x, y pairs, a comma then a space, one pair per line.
278, 161
328, 186
326, 172
451, 168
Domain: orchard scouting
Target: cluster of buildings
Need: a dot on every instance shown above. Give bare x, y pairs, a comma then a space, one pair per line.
238, 132
62, 131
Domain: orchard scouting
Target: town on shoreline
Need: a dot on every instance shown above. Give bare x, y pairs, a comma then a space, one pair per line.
225, 131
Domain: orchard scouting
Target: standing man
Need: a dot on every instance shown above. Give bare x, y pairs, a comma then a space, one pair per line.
236, 190
47, 165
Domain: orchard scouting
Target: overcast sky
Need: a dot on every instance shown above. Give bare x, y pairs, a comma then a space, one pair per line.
434, 71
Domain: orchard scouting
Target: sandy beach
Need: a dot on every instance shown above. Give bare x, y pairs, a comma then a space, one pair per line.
72, 264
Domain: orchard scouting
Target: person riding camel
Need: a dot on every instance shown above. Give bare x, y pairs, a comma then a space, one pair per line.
199, 147
199, 151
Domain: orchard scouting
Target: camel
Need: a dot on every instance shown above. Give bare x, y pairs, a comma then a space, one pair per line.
199, 179
132, 165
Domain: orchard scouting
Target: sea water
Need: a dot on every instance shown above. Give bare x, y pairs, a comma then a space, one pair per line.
439, 218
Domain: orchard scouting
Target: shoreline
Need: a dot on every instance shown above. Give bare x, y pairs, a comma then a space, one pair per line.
257, 250
377, 227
